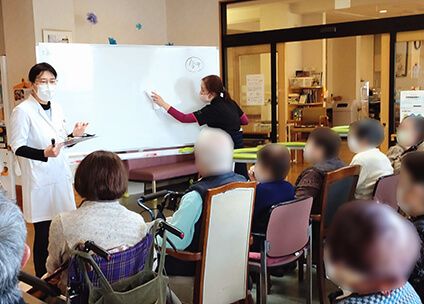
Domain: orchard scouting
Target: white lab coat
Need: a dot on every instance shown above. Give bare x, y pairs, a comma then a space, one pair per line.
46, 186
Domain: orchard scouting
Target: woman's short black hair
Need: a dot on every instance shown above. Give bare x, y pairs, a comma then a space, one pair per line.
101, 176
368, 129
39, 68
413, 163
276, 159
418, 122
327, 139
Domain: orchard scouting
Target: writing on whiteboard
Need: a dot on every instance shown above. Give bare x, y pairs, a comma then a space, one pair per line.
194, 64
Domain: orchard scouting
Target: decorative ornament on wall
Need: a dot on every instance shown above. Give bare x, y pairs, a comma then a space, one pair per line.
139, 26
92, 18
169, 44
112, 41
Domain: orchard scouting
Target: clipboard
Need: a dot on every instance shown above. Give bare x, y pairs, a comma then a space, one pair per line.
76, 140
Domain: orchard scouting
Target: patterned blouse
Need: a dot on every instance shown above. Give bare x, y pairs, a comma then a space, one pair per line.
395, 153
403, 295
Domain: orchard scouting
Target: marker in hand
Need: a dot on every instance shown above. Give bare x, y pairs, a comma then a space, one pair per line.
52, 150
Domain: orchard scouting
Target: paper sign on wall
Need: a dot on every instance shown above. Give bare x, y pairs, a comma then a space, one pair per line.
255, 90
411, 103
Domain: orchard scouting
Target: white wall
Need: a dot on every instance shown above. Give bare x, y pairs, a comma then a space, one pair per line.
118, 19
19, 38
53, 15
193, 22
341, 71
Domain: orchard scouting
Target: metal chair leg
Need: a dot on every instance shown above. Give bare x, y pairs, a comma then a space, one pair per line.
309, 266
264, 275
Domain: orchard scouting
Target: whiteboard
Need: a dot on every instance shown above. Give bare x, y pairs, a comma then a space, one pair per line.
105, 86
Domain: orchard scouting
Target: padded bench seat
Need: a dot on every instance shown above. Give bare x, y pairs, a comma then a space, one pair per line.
155, 169
161, 172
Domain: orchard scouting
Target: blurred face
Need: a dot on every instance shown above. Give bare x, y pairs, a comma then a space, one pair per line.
262, 174
410, 195
355, 145
312, 153
407, 136
352, 281
201, 167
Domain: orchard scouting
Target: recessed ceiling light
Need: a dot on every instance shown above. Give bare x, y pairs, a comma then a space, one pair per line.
383, 11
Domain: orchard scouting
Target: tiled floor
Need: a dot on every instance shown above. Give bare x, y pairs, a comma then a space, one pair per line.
284, 290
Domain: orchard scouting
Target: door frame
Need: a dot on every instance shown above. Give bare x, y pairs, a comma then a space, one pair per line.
390, 26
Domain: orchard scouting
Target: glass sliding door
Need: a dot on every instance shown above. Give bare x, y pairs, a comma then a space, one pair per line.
249, 83
409, 77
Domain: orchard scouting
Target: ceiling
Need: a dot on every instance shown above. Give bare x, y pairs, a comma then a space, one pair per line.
246, 16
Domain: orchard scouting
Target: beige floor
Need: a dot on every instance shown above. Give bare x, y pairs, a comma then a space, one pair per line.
284, 290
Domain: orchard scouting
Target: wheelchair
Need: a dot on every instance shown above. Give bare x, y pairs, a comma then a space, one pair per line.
110, 263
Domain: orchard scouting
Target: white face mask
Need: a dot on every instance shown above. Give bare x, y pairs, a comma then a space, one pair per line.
353, 144
404, 138
46, 92
205, 98
307, 154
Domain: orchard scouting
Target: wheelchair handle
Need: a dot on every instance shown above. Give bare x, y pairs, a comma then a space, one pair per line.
89, 245
174, 230
152, 196
139, 202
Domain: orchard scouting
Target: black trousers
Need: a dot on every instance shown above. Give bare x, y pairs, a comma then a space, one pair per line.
41, 242
239, 168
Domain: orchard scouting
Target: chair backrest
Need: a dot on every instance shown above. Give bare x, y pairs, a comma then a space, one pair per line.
288, 227
339, 188
226, 225
311, 116
385, 190
122, 264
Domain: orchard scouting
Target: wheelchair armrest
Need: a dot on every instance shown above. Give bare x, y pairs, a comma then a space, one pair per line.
185, 255
259, 235
39, 284
316, 217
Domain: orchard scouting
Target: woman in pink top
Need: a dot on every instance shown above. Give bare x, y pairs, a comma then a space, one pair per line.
220, 112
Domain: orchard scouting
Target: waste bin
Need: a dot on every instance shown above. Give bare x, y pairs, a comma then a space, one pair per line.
344, 112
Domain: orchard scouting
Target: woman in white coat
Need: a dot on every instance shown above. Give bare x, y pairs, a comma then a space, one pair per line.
36, 124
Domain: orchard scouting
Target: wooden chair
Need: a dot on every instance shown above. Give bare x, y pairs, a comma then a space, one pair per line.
339, 188
223, 257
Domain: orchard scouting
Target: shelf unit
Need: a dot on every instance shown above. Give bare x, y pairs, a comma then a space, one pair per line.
317, 95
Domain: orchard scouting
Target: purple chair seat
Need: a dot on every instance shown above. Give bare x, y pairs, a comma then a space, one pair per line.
161, 172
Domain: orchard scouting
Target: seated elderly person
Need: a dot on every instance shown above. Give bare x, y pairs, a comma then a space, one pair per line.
14, 253
214, 159
322, 152
369, 253
410, 138
101, 179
